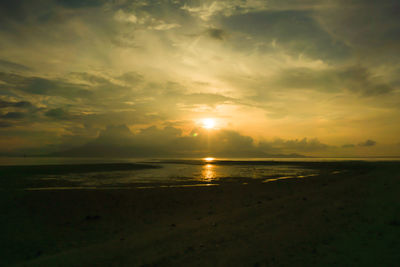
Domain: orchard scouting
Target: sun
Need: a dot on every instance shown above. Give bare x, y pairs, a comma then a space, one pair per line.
208, 123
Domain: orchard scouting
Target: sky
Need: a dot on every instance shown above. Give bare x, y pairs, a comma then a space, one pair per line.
137, 78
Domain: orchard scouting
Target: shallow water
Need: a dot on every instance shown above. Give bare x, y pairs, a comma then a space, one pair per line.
172, 173
178, 174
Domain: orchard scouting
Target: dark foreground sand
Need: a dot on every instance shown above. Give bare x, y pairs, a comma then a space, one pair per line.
346, 219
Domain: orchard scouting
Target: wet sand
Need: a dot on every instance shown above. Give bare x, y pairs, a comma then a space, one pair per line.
346, 218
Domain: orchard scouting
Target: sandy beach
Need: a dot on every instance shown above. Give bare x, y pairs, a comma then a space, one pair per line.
351, 218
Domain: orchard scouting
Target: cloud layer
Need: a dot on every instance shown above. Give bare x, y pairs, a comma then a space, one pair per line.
171, 142
307, 77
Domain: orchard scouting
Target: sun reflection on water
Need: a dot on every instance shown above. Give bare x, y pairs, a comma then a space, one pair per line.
208, 173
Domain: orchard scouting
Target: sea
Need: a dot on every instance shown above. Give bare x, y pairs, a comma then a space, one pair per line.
181, 172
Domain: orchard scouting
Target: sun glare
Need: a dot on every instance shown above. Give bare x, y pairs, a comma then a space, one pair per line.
209, 123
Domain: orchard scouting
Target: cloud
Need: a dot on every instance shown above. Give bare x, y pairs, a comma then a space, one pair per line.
295, 31
216, 33
152, 141
12, 9
131, 77
58, 113
4, 124
369, 25
122, 16
81, 3
205, 99
169, 141
162, 26
354, 79
360, 80
295, 146
9, 65
368, 143
140, 18
43, 86
100, 98
207, 10
13, 115
19, 104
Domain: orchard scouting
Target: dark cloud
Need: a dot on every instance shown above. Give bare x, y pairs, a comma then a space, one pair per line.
120, 141
19, 104
169, 141
365, 24
58, 114
10, 78
22, 104
44, 86
104, 98
22, 9
367, 143
295, 30
215, 33
13, 115
358, 79
81, 3
39, 86
81, 98
355, 79
139, 116
4, 124
8, 65
12, 9
14, 14
131, 77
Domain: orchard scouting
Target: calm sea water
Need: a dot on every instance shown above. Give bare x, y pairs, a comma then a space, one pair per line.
177, 172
